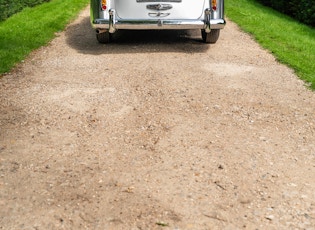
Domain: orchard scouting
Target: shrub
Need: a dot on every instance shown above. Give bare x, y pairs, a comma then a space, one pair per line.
307, 13
8, 8
302, 10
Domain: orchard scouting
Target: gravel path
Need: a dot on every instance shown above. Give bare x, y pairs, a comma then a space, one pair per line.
155, 131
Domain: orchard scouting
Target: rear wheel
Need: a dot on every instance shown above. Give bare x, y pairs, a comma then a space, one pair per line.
211, 37
103, 37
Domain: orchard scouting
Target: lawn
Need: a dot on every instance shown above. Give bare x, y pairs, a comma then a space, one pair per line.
33, 28
291, 42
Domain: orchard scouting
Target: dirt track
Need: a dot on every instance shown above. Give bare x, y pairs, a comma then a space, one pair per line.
155, 131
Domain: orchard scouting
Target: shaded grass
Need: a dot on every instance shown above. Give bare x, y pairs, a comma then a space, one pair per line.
34, 27
291, 42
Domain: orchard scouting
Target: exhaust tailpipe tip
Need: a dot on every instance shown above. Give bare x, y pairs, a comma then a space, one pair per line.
100, 31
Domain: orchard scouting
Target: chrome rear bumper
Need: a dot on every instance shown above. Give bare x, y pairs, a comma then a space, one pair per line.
112, 24
158, 24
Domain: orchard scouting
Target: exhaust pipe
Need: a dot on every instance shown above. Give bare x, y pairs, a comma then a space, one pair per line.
100, 31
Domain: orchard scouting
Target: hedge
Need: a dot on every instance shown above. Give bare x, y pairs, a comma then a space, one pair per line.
302, 10
8, 8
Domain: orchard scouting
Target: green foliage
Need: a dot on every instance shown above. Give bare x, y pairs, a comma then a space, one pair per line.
303, 10
291, 42
8, 8
34, 27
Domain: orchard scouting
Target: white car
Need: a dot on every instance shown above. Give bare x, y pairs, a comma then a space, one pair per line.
108, 16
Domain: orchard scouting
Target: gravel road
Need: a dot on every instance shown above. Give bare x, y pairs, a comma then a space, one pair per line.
155, 131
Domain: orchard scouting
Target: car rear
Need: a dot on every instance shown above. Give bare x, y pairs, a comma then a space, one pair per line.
107, 16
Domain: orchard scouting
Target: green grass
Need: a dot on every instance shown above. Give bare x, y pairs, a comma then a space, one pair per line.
34, 27
291, 42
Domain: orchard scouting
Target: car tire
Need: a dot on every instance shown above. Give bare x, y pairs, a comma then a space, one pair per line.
103, 37
211, 37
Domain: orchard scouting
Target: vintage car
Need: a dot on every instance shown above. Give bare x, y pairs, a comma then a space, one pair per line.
108, 16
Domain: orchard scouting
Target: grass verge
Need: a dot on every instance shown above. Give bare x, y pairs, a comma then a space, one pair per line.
291, 42
34, 27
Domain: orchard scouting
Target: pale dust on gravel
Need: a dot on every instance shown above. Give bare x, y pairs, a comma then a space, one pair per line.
155, 131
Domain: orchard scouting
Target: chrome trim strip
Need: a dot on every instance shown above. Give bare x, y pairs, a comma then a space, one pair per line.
159, 24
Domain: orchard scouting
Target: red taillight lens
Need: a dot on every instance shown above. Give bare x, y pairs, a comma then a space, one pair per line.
104, 6
214, 4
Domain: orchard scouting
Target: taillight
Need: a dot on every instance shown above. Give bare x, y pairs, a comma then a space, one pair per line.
104, 5
214, 4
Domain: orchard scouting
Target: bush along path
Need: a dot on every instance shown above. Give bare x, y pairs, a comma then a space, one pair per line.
302, 10
8, 8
